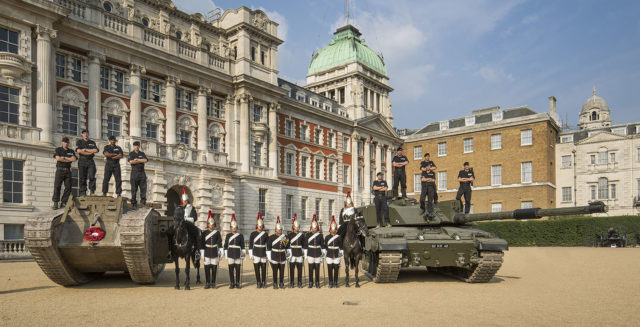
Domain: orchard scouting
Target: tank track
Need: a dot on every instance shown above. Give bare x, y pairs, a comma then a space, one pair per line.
482, 273
135, 239
41, 238
388, 267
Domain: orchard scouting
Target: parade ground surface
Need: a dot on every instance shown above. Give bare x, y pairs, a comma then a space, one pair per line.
534, 287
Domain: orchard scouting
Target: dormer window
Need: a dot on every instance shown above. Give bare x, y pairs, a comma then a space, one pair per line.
496, 115
469, 121
444, 125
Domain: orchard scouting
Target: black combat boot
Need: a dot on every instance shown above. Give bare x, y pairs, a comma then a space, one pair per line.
256, 268
275, 276
237, 268
336, 274
299, 265
281, 269
311, 267
232, 283
330, 268
214, 272
292, 270
317, 268
207, 278
263, 271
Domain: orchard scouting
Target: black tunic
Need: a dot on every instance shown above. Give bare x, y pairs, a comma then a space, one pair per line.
211, 242
61, 152
296, 243
234, 246
258, 246
333, 246
277, 247
314, 244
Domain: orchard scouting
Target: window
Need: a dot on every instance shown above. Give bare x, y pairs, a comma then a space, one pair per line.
612, 193
106, 6
468, 145
105, 73
288, 167
288, 204
360, 148
118, 84
345, 175
612, 157
155, 92
303, 132
179, 95
319, 169
303, 166
638, 154
330, 211
215, 108
257, 114
8, 41
372, 151
566, 194
330, 173
317, 211
13, 232
145, 21
214, 144
288, 128
303, 207
69, 120
346, 141
496, 141
152, 131
314, 102
602, 158
566, 161
262, 201
360, 177
330, 140
257, 150
9, 104
253, 53
527, 172
496, 175
526, 204
262, 56
496, 207
526, 137
317, 136
327, 107
188, 101
442, 180
61, 65
603, 188
620, 131
144, 89
76, 69
178, 35
417, 152
301, 97
592, 159
185, 138
442, 149
113, 125
417, 183
12, 180
566, 139
593, 192
341, 96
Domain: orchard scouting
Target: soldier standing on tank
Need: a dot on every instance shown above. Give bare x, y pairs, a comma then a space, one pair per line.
428, 183
314, 252
277, 245
210, 249
423, 167
113, 153
64, 157
380, 199
86, 148
295, 252
466, 178
234, 252
399, 174
333, 243
258, 251
137, 159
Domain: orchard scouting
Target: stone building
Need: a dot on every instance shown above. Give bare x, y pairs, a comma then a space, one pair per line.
203, 97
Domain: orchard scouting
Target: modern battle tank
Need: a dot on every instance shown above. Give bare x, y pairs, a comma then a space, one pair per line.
96, 234
446, 242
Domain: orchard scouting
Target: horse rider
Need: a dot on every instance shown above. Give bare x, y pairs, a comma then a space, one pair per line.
234, 252
333, 244
210, 251
295, 252
314, 250
190, 216
346, 214
277, 253
258, 251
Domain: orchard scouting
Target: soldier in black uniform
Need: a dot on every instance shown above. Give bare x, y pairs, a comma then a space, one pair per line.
428, 183
258, 251
333, 243
380, 199
113, 153
64, 157
346, 214
295, 252
399, 174
210, 249
86, 148
427, 162
314, 251
277, 245
137, 159
466, 178
234, 252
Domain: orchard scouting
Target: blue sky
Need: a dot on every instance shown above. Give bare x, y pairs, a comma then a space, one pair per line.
447, 58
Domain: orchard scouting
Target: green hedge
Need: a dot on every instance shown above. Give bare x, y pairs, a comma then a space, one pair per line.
567, 231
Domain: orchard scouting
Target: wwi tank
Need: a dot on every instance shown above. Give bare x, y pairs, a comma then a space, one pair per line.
447, 242
95, 234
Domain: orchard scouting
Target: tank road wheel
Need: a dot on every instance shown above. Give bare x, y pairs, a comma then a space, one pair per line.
483, 272
41, 234
387, 267
137, 245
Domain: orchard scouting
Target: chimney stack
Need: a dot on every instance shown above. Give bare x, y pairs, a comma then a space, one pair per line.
552, 108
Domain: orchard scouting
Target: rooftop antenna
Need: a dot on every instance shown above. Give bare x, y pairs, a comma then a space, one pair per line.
347, 12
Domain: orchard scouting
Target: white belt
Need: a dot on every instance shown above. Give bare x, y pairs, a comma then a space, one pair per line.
259, 245
296, 246
212, 246
315, 246
277, 250
333, 247
234, 246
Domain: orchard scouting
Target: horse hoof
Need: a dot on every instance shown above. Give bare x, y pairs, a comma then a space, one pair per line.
357, 285
186, 288
198, 282
177, 287
347, 285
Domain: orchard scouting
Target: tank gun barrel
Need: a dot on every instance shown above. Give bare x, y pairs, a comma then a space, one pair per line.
533, 213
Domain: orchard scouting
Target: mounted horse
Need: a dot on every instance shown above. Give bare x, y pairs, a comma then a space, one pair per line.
185, 240
351, 243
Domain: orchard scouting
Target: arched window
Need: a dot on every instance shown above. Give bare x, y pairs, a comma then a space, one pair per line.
594, 116
114, 117
216, 137
71, 115
603, 188
186, 131
153, 124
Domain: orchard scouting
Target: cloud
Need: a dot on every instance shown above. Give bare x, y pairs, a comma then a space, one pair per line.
192, 7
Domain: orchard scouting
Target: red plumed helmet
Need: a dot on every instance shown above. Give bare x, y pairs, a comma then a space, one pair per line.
211, 221
259, 221
295, 223
333, 226
184, 197
314, 223
278, 224
349, 200
234, 222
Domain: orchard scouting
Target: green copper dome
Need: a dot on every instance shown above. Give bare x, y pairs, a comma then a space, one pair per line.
346, 47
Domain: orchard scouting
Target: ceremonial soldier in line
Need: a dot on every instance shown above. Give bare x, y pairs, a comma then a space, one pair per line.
380, 200
211, 251
423, 167
234, 252
64, 157
86, 148
346, 214
277, 245
137, 159
296, 253
428, 183
333, 244
314, 252
258, 251
113, 153
399, 175
466, 178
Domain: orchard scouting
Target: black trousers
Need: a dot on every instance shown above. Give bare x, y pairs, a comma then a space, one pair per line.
381, 209
138, 180
292, 269
466, 191
112, 169
400, 178
428, 192
278, 268
87, 170
63, 175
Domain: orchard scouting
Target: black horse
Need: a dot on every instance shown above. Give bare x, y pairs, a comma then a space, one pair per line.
185, 240
352, 246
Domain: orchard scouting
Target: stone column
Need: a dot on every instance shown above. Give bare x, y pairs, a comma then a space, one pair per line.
354, 164
367, 171
245, 151
273, 137
389, 176
229, 110
135, 115
378, 150
202, 118
170, 99
95, 101
44, 86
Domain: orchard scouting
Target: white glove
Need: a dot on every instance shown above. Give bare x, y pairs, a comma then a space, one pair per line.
324, 253
243, 253
269, 256
201, 253
304, 251
251, 254
341, 253
226, 254
289, 254
219, 253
